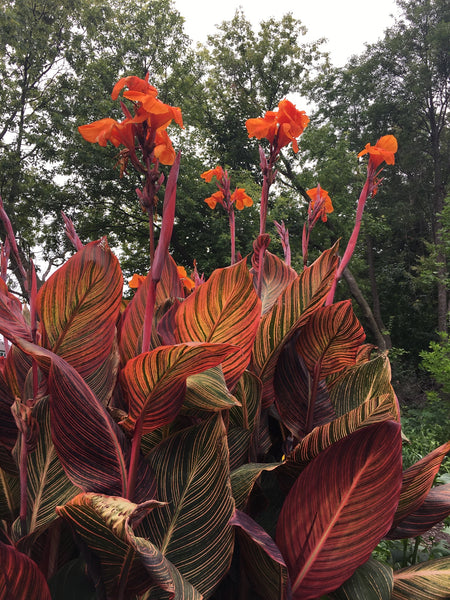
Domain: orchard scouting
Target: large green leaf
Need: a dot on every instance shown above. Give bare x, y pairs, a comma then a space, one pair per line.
417, 482
129, 564
225, 310
425, 581
47, 483
154, 382
20, 578
292, 309
434, 509
263, 563
132, 321
371, 581
79, 305
277, 275
192, 530
339, 508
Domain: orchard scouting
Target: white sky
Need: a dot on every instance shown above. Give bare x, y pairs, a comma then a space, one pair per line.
347, 24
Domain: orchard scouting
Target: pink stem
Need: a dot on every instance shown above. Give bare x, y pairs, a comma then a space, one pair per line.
134, 459
365, 193
232, 234
148, 318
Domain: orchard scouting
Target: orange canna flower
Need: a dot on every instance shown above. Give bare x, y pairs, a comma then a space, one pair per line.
133, 83
286, 125
164, 151
108, 130
215, 198
383, 151
159, 115
217, 172
240, 198
319, 194
188, 283
136, 281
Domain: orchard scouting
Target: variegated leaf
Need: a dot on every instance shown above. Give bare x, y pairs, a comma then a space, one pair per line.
302, 402
8, 428
207, 391
248, 392
20, 578
132, 321
425, 581
154, 382
192, 530
374, 410
292, 309
277, 275
224, 310
79, 305
330, 339
129, 564
262, 560
244, 478
9, 496
12, 321
93, 459
434, 509
47, 483
339, 508
417, 482
371, 581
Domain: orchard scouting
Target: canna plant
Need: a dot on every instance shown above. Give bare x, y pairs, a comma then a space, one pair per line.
230, 438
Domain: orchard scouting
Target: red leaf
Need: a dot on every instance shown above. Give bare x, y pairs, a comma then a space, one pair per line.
340, 507
434, 509
20, 577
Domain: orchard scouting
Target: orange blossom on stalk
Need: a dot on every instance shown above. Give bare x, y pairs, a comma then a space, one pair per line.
383, 151
321, 195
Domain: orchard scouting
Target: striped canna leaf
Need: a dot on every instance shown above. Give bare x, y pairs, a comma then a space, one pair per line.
192, 530
132, 321
8, 429
294, 306
207, 391
330, 339
94, 459
78, 307
339, 508
224, 310
20, 577
425, 581
375, 409
47, 484
129, 564
277, 275
371, 581
434, 509
417, 482
244, 478
12, 320
154, 383
262, 562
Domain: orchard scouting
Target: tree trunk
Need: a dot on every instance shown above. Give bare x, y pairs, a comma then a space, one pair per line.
355, 291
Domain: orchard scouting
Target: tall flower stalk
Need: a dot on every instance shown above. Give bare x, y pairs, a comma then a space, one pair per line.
227, 199
383, 151
281, 128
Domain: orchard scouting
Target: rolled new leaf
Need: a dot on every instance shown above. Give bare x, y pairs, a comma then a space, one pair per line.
339, 508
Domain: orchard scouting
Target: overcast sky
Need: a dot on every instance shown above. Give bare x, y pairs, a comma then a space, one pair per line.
347, 24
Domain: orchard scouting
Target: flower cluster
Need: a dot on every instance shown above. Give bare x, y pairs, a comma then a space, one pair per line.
279, 127
238, 198
149, 123
383, 151
320, 205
